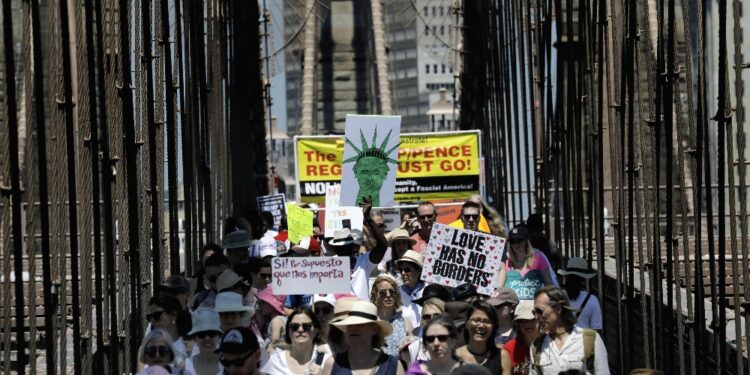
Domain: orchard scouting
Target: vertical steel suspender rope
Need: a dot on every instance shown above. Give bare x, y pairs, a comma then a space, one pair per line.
721, 118
15, 177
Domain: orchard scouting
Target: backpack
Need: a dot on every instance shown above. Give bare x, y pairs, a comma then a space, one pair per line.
589, 339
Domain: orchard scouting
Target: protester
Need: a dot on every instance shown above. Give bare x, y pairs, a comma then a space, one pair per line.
240, 352
457, 312
206, 251
575, 276
323, 307
410, 269
232, 312
386, 296
470, 214
399, 243
416, 351
440, 340
563, 341
269, 320
480, 332
157, 350
177, 286
433, 291
365, 334
492, 218
205, 334
303, 334
504, 303
515, 353
426, 216
163, 312
215, 265
336, 338
525, 270
236, 245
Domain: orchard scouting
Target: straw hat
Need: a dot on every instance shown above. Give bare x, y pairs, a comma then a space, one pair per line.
363, 312
579, 267
345, 236
276, 301
400, 234
231, 302
341, 308
228, 279
412, 256
205, 320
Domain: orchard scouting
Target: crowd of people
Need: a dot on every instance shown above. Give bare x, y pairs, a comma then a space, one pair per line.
226, 318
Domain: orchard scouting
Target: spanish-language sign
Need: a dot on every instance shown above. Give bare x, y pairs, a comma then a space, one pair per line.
457, 256
299, 222
431, 166
308, 275
274, 204
343, 217
370, 159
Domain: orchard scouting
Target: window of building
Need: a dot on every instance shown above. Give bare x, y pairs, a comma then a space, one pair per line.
434, 68
425, 11
427, 68
426, 29
441, 10
442, 29
434, 11
442, 68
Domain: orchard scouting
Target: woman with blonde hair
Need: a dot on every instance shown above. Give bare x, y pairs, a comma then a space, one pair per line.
526, 269
385, 295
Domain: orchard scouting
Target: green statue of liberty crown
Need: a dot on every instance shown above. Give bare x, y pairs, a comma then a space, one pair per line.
372, 150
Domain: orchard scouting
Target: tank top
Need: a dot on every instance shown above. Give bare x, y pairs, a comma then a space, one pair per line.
386, 365
520, 361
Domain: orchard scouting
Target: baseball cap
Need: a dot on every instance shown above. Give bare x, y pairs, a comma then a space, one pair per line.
237, 341
503, 295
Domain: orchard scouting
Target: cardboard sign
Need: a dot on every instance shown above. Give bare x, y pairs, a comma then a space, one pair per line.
370, 159
308, 275
456, 256
336, 219
333, 195
299, 221
391, 216
431, 166
274, 204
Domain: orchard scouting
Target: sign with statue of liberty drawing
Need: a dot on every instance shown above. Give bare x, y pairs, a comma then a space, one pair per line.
370, 159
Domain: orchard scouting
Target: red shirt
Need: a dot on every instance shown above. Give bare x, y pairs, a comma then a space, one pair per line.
520, 359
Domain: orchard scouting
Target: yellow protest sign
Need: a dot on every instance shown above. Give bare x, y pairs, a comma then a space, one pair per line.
431, 166
299, 222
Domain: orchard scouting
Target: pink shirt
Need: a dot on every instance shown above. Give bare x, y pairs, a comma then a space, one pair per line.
540, 263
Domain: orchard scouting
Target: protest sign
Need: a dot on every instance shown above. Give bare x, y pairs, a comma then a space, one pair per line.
333, 195
299, 222
391, 218
336, 219
311, 275
431, 166
274, 204
370, 159
456, 256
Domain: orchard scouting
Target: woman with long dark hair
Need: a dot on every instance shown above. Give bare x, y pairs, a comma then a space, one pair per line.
479, 335
303, 335
440, 340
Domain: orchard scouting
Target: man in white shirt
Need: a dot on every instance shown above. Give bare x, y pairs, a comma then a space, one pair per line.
575, 276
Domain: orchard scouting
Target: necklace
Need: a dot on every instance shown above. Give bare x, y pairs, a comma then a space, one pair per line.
482, 354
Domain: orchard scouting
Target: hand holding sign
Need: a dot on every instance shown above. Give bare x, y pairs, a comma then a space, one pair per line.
456, 256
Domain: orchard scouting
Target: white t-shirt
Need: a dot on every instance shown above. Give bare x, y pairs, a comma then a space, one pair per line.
361, 276
591, 315
411, 310
417, 351
570, 356
277, 363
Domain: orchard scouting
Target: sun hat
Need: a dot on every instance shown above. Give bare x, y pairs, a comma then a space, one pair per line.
341, 308
237, 341
267, 246
363, 312
524, 311
343, 237
229, 279
231, 302
400, 234
177, 283
277, 302
503, 295
237, 239
205, 320
579, 267
412, 256
519, 232
433, 291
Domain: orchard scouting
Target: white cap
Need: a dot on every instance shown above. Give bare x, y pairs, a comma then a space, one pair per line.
268, 247
327, 298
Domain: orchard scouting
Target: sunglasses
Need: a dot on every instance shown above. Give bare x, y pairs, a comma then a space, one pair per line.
294, 327
237, 362
203, 334
426, 217
153, 351
386, 292
431, 338
428, 316
516, 241
475, 217
265, 276
405, 269
537, 311
154, 316
324, 310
